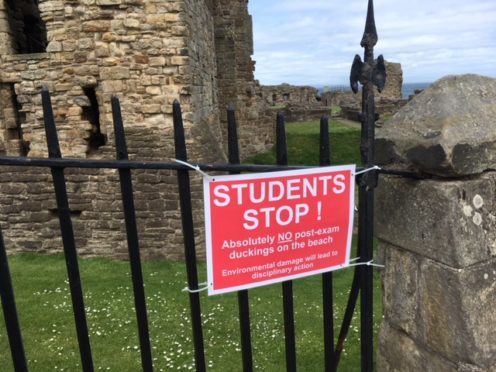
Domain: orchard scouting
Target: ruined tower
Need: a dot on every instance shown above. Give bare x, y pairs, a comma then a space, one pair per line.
148, 53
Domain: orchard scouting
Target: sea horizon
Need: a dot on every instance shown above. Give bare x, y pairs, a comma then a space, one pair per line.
407, 89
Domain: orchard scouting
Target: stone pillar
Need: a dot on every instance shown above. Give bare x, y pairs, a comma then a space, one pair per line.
393, 89
438, 234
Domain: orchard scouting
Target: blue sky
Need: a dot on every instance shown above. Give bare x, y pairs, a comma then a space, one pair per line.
313, 42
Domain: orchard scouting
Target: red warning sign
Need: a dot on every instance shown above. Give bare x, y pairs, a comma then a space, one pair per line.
271, 227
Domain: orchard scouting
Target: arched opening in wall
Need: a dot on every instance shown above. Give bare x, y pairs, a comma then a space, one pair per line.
91, 113
285, 97
13, 117
27, 29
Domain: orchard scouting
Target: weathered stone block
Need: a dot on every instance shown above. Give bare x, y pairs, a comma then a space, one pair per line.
96, 26
85, 43
34, 74
132, 23
114, 73
447, 130
453, 222
401, 289
157, 61
51, 6
399, 353
69, 45
150, 109
177, 60
54, 46
102, 49
153, 90
108, 2
457, 311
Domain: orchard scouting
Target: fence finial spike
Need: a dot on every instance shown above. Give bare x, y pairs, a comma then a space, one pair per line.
356, 73
370, 37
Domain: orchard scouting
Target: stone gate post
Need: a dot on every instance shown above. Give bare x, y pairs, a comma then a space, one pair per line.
438, 234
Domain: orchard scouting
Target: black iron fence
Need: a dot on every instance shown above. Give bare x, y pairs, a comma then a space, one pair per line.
57, 165
370, 72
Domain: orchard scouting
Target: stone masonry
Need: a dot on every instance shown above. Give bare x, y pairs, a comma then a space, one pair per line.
284, 94
438, 233
297, 103
148, 53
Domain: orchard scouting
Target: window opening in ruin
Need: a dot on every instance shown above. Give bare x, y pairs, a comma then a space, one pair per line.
285, 96
91, 114
20, 118
27, 29
13, 118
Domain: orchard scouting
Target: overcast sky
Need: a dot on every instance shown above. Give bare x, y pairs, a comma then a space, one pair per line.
313, 42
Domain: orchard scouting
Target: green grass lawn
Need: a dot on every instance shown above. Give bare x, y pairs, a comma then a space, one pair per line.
303, 145
45, 310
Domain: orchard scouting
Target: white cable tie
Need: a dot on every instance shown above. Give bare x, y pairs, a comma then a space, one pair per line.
368, 263
205, 284
194, 167
354, 259
375, 167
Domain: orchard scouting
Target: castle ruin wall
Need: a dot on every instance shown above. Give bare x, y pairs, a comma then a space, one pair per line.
148, 53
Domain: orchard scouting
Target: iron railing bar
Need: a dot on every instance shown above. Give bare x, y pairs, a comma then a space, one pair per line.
350, 306
132, 238
10, 312
366, 291
328, 315
373, 73
365, 230
289, 328
183, 180
67, 232
287, 286
327, 278
138, 164
243, 298
348, 315
369, 73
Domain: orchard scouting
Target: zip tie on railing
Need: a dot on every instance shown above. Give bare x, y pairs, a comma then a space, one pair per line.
195, 167
368, 263
375, 167
205, 284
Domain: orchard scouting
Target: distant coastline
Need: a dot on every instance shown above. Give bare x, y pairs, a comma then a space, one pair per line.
407, 90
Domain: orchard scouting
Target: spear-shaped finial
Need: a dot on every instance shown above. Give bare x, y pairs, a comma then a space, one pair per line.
370, 70
370, 37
